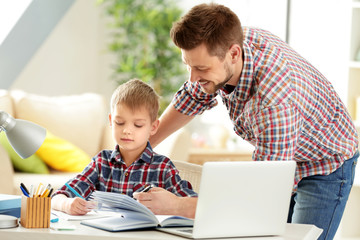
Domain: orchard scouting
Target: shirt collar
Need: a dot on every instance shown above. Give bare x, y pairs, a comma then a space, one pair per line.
146, 156
242, 91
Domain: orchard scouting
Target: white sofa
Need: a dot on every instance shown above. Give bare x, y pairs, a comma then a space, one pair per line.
81, 120
78, 119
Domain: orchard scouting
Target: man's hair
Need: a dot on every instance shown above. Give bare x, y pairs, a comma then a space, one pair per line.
212, 24
136, 94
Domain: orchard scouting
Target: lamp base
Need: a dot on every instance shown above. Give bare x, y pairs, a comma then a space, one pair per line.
7, 221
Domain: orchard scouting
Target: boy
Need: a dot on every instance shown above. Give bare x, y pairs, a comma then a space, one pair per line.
132, 165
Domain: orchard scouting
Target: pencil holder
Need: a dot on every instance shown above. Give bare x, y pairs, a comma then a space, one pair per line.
35, 212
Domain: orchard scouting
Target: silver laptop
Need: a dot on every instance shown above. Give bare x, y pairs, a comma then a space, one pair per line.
238, 199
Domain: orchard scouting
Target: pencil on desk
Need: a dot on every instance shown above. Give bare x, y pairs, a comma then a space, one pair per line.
25, 188
24, 192
31, 191
41, 191
38, 190
50, 192
46, 191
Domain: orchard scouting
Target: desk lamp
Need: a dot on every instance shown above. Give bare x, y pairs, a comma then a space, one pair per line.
26, 138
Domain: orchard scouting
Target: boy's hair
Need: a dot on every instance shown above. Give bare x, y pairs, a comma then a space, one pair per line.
212, 24
136, 94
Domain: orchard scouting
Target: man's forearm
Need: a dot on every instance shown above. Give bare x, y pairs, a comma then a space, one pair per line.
170, 121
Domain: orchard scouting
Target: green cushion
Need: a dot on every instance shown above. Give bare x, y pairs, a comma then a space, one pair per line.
32, 164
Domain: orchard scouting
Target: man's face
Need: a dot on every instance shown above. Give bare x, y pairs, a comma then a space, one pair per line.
209, 71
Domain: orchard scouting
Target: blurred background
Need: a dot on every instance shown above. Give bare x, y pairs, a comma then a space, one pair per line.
65, 47
59, 50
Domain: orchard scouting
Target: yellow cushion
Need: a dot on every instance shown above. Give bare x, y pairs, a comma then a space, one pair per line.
62, 155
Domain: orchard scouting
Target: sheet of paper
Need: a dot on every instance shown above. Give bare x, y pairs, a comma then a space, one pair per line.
62, 226
89, 215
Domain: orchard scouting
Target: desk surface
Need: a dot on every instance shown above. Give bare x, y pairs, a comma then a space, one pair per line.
293, 231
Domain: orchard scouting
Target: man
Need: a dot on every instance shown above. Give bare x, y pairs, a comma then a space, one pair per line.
276, 100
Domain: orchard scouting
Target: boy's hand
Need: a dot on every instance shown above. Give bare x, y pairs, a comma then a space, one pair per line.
77, 206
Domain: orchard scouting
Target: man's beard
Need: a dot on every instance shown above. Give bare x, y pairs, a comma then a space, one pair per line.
220, 85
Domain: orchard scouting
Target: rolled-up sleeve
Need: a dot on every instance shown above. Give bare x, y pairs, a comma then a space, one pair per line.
191, 100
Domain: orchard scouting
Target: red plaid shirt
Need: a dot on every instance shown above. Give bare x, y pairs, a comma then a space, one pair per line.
283, 106
108, 172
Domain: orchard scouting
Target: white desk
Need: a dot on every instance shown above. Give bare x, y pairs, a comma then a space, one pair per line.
293, 232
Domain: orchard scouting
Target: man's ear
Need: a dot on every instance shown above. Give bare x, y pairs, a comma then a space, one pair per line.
110, 122
154, 127
235, 53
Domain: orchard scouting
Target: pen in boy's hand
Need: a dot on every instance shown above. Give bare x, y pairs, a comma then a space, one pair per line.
73, 191
147, 188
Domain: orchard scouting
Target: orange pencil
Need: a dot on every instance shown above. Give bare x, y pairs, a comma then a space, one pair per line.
38, 190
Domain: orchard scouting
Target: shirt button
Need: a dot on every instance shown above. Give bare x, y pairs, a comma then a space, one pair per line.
126, 174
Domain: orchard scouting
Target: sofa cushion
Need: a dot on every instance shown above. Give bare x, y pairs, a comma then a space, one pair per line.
62, 155
79, 119
6, 103
32, 164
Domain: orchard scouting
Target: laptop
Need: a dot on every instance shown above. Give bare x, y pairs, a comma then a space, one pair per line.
241, 199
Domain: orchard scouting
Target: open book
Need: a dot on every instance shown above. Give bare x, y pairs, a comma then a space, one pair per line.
130, 214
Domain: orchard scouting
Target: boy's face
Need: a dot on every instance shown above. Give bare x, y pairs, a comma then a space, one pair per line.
132, 129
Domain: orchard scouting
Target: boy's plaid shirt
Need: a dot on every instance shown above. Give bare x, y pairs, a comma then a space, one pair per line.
283, 106
108, 172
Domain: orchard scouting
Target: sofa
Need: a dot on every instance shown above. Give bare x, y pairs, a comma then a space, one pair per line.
77, 129
79, 123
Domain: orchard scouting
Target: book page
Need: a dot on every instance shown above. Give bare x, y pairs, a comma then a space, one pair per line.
120, 223
172, 221
129, 214
119, 202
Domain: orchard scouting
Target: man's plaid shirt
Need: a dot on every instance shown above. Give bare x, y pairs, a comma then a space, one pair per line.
108, 172
283, 106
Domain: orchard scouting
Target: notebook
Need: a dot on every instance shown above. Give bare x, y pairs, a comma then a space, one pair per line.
241, 199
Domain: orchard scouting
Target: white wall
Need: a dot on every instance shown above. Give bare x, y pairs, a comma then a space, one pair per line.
73, 59
10, 12
319, 31
266, 14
